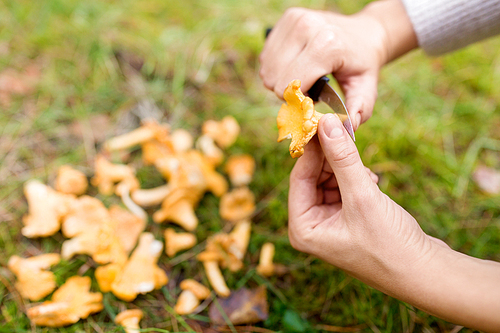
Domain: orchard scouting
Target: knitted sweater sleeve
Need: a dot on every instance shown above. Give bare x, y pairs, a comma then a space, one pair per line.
446, 25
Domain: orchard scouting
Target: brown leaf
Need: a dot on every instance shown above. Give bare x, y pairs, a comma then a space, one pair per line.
488, 179
244, 306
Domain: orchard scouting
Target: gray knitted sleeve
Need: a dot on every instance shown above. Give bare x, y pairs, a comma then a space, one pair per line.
447, 25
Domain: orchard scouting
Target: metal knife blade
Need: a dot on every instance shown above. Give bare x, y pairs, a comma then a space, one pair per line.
323, 92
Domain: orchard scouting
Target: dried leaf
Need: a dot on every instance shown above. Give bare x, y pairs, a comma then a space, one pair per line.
244, 306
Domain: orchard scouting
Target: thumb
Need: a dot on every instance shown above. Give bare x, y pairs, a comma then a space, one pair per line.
343, 157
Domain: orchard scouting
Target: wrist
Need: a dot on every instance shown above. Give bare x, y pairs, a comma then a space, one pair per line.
398, 36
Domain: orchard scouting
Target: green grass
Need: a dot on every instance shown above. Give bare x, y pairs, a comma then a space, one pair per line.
435, 120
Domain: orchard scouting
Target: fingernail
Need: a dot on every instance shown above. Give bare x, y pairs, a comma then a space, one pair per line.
332, 126
358, 120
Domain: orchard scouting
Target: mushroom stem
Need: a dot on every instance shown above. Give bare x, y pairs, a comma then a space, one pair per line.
215, 278
129, 320
266, 266
175, 242
186, 303
241, 237
152, 196
123, 191
130, 139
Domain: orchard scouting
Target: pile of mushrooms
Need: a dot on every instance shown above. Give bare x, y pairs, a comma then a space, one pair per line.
126, 257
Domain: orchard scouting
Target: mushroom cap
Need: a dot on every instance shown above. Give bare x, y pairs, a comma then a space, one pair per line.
224, 132
107, 174
175, 242
33, 281
140, 274
105, 275
71, 181
237, 205
124, 317
85, 213
223, 249
187, 302
128, 227
179, 207
70, 303
182, 140
297, 119
210, 150
240, 169
46, 208
199, 290
154, 150
101, 243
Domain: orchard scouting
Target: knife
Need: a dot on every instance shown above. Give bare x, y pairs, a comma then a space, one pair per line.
321, 91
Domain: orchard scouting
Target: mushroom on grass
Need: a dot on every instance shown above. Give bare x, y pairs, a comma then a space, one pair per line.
149, 130
70, 303
129, 320
224, 132
175, 242
47, 208
107, 174
216, 278
189, 299
34, 282
71, 181
237, 205
141, 273
240, 169
151, 196
266, 266
210, 150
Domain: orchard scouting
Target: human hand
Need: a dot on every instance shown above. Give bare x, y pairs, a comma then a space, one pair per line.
338, 213
307, 44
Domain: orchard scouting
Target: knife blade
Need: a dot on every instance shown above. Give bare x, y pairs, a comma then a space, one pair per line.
321, 91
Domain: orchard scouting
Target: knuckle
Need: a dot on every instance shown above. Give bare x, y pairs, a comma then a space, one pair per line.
305, 22
327, 42
344, 156
294, 13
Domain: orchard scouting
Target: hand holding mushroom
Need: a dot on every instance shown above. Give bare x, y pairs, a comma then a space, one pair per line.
337, 212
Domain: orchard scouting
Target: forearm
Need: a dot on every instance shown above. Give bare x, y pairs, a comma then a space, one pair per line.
445, 283
460, 289
446, 25
400, 36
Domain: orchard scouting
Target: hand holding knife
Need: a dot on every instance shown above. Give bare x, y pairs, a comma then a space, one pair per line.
321, 91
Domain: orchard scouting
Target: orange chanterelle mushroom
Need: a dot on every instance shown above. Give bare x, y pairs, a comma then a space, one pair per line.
237, 205
297, 119
224, 132
69, 304
71, 181
140, 274
189, 299
33, 281
129, 320
47, 208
